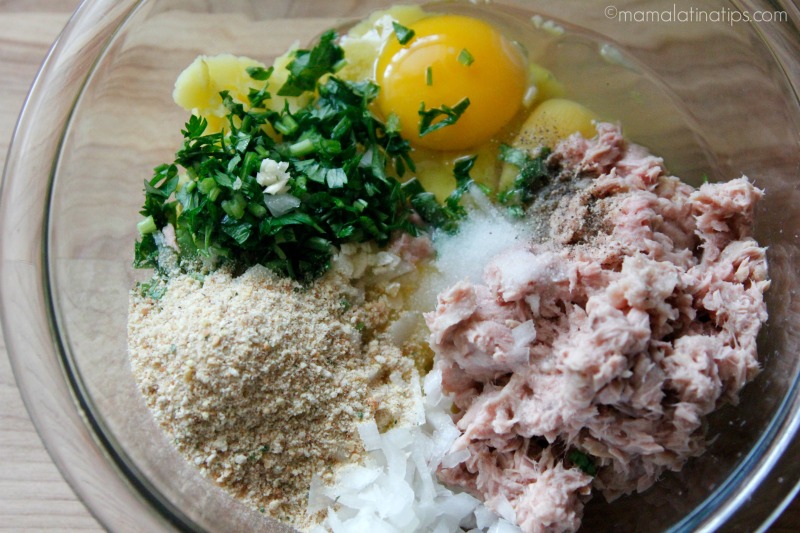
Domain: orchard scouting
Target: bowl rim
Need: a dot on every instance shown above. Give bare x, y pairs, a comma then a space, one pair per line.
73, 439
85, 455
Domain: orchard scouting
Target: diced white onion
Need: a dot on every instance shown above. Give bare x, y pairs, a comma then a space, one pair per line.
280, 204
396, 489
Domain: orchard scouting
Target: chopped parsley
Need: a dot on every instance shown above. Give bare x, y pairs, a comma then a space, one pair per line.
146, 252
308, 66
428, 122
404, 34
464, 181
146, 225
465, 58
448, 215
155, 289
392, 123
582, 461
344, 165
532, 171
259, 73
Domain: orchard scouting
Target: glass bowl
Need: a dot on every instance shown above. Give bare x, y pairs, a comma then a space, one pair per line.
717, 97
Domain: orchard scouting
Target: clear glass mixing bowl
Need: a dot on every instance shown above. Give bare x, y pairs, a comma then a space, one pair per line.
716, 98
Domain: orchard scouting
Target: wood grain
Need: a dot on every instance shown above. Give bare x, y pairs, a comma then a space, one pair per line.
33, 495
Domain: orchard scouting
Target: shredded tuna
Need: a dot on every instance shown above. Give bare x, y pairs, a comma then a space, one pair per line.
614, 338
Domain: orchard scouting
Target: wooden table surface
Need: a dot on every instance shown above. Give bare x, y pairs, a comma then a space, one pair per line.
33, 495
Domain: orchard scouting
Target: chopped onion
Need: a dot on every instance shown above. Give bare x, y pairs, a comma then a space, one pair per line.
396, 489
280, 204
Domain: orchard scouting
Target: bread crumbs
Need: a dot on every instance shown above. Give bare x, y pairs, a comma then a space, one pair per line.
260, 381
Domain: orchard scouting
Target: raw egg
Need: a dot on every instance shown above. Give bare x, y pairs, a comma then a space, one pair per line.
450, 58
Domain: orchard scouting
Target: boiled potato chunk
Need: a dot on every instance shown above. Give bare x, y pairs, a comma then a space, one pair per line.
550, 122
554, 120
198, 86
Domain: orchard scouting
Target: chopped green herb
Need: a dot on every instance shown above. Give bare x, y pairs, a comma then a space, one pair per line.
403, 34
259, 73
392, 123
465, 58
308, 66
531, 173
146, 252
286, 125
450, 114
343, 161
582, 461
446, 216
257, 97
195, 127
429, 76
146, 225
705, 178
461, 171
154, 289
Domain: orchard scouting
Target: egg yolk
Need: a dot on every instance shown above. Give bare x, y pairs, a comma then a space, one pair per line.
450, 58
